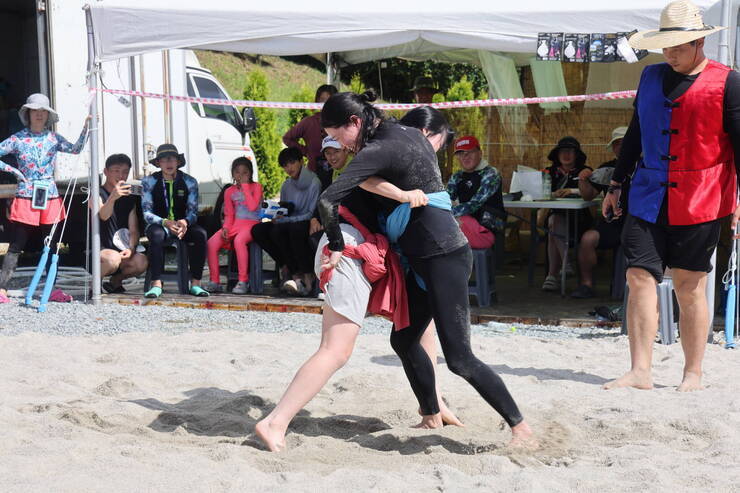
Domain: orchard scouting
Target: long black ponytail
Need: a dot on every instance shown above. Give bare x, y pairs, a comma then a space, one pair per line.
431, 120
339, 109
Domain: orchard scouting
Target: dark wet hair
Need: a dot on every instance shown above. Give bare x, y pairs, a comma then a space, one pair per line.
339, 108
243, 161
431, 119
114, 159
325, 88
289, 155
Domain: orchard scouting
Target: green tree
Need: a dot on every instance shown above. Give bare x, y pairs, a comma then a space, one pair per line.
465, 121
356, 84
265, 139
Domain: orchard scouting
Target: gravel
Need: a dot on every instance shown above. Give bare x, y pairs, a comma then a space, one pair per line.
75, 319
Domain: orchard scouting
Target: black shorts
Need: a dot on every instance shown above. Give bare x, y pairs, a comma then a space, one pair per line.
654, 247
610, 234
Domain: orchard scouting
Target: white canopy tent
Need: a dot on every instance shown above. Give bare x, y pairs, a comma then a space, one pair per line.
416, 29
361, 31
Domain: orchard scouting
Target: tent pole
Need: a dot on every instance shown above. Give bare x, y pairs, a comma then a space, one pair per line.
41, 37
329, 69
724, 35
94, 178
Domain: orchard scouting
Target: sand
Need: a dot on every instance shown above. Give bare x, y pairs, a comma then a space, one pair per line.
161, 412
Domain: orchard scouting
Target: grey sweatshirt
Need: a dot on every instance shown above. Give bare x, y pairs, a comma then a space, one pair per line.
303, 193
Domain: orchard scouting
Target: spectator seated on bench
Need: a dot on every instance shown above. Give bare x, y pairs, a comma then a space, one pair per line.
170, 204
286, 239
606, 234
477, 190
568, 161
242, 206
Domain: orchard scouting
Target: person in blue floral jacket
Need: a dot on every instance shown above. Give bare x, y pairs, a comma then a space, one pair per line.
37, 205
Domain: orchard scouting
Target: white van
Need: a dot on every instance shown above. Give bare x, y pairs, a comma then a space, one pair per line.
45, 50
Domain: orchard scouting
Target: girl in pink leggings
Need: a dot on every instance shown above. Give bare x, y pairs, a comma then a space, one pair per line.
242, 203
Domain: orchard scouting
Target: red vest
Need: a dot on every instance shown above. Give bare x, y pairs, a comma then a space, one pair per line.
703, 169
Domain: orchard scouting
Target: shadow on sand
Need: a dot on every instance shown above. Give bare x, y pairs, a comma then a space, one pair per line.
538, 373
215, 412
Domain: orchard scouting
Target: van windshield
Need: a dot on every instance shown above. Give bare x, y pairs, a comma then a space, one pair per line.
209, 89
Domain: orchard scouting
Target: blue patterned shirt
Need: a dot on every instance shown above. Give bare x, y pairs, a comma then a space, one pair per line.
36, 154
147, 202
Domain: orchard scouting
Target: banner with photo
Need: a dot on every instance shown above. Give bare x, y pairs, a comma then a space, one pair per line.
586, 47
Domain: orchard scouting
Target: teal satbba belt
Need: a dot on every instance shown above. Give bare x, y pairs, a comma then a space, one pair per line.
398, 220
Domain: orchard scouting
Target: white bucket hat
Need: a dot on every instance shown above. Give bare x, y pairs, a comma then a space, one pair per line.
680, 22
37, 101
617, 133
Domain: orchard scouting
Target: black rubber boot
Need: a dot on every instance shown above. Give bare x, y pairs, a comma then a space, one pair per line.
10, 262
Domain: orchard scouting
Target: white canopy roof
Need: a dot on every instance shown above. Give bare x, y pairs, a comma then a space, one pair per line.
361, 30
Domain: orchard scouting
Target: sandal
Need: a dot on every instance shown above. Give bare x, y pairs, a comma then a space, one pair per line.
583, 292
154, 292
551, 283
59, 296
111, 289
198, 291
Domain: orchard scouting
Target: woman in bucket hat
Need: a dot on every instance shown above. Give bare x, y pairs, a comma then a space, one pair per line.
682, 136
37, 205
568, 161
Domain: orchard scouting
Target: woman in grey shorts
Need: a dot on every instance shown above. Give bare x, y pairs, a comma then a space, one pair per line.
346, 300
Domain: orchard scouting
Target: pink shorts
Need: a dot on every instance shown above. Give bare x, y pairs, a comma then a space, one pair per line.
479, 237
21, 212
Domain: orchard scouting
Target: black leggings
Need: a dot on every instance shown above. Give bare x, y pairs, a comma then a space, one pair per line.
21, 234
195, 238
446, 300
287, 243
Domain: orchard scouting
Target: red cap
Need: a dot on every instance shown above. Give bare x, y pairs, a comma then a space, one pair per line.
466, 143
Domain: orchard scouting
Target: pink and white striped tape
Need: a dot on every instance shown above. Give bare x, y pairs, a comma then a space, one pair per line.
383, 106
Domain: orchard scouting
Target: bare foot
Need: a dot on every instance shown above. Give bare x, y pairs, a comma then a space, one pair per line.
633, 378
271, 436
430, 422
691, 381
522, 437
448, 417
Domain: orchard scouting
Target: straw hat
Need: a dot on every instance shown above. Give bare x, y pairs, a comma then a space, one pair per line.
37, 101
680, 22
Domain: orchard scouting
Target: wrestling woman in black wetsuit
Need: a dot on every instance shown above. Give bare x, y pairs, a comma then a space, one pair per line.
436, 250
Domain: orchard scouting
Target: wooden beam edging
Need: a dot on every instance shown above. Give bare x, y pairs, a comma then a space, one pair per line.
216, 305
262, 306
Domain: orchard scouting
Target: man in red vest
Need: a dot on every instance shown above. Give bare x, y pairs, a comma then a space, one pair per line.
686, 125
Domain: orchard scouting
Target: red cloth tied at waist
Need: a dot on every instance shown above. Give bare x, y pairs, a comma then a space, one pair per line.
382, 267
